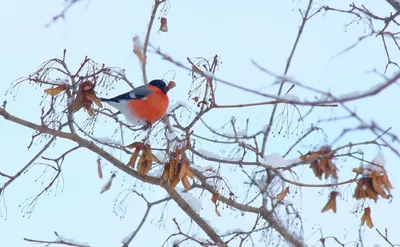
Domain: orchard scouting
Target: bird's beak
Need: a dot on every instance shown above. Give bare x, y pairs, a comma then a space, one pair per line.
165, 89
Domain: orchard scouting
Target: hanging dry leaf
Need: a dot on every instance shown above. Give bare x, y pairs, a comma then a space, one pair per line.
163, 27
165, 175
132, 160
367, 218
195, 99
214, 198
147, 153
186, 183
171, 172
174, 182
134, 145
107, 186
56, 90
177, 153
99, 170
217, 212
92, 97
331, 203
143, 166
185, 169
282, 195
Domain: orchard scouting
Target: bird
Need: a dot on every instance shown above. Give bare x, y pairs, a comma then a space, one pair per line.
143, 105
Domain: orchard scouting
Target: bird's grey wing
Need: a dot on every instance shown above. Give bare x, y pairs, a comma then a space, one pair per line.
137, 93
140, 92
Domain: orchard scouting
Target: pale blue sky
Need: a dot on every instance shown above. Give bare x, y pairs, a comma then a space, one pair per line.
236, 31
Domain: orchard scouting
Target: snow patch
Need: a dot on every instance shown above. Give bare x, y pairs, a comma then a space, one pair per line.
208, 74
108, 140
208, 154
175, 105
233, 231
291, 97
156, 172
190, 199
125, 240
161, 156
276, 160
70, 100
379, 160
71, 241
170, 135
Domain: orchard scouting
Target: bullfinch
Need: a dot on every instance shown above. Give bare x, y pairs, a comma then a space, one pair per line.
143, 105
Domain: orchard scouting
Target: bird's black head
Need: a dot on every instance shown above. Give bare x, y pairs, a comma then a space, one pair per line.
160, 84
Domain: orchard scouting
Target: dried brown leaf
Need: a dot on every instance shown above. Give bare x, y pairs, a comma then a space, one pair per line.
56, 90
140, 164
134, 145
99, 170
186, 183
107, 186
331, 203
171, 172
175, 180
217, 212
165, 172
215, 197
132, 160
163, 27
147, 153
92, 97
282, 194
366, 218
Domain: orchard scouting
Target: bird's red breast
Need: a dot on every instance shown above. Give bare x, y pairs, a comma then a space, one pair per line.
151, 108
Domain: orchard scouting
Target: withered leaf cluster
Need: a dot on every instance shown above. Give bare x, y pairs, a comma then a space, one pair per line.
321, 162
177, 169
85, 97
372, 184
146, 159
